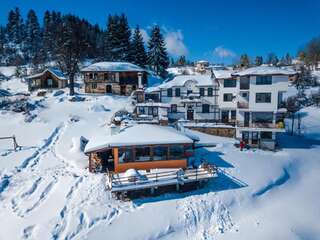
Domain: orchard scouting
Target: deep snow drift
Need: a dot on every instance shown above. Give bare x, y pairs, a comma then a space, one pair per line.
46, 193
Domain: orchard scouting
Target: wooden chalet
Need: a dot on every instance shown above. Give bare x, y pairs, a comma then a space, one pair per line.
120, 78
50, 78
140, 147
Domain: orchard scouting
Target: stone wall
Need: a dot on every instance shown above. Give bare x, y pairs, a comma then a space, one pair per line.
95, 163
216, 131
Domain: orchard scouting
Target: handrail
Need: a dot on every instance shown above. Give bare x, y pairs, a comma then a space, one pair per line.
166, 175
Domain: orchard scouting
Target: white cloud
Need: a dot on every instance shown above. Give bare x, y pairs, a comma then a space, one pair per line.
222, 52
174, 43
145, 35
173, 38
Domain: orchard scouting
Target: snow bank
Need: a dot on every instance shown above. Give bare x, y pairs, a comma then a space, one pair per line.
8, 71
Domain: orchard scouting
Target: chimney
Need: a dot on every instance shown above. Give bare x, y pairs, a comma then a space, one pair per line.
140, 80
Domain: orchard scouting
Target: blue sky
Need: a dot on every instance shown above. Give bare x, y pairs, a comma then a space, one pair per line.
215, 30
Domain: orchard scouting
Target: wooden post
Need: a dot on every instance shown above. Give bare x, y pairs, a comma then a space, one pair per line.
15, 144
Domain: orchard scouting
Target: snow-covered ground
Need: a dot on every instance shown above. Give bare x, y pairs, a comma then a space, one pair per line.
46, 193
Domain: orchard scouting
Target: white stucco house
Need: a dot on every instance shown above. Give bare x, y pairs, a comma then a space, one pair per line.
260, 109
191, 97
250, 100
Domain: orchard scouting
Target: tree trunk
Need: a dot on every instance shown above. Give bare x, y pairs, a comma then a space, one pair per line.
292, 124
71, 84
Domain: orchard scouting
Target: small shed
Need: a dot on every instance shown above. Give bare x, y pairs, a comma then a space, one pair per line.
140, 147
50, 78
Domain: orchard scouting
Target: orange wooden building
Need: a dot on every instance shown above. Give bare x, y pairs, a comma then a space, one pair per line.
140, 147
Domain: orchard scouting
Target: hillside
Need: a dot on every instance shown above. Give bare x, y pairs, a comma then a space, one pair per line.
46, 192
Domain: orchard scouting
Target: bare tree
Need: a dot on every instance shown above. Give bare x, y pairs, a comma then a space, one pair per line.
71, 47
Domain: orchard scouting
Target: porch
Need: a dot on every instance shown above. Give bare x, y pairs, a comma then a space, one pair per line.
148, 183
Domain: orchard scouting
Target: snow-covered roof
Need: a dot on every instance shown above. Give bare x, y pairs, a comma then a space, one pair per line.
180, 80
137, 135
264, 70
54, 71
113, 67
223, 74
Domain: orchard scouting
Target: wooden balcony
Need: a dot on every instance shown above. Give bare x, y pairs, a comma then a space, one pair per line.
119, 183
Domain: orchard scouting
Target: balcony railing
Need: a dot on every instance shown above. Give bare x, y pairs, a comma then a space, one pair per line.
279, 125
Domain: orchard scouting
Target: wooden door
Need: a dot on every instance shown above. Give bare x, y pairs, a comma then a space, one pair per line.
190, 114
123, 89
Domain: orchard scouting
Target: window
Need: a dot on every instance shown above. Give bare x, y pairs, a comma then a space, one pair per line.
142, 153
188, 150
244, 83
177, 92
255, 138
174, 108
93, 85
50, 82
160, 153
105, 76
262, 117
210, 92
245, 136
176, 152
264, 80
227, 97
141, 110
169, 92
228, 83
201, 92
125, 155
263, 97
155, 111
266, 135
233, 114
205, 108
150, 111
90, 76
244, 94
189, 92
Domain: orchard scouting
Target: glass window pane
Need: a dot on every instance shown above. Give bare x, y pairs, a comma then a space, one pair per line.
125, 155
142, 154
160, 153
176, 152
229, 83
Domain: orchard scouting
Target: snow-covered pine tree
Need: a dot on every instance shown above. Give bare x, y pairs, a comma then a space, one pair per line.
244, 61
47, 35
158, 59
288, 59
272, 59
111, 41
11, 26
33, 40
124, 35
258, 61
138, 52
